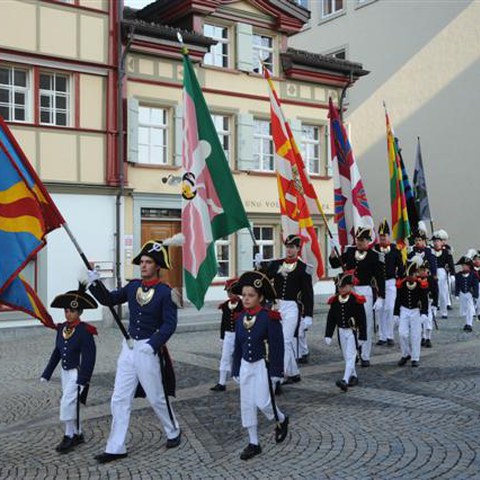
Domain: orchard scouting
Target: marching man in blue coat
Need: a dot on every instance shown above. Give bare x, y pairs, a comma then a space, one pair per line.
75, 349
466, 288
153, 320
258, 358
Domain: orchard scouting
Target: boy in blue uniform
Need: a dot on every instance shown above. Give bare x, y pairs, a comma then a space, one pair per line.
153, 320
258, 358
347, 314
466, 288
75, 349
230, 310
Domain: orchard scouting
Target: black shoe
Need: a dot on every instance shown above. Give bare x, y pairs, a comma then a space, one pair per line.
218, 388
428, 343
174, 442
422, 343
109, 457
381, 342
478, 318
449, 307
467, 328
281, 430
365, 363
250, 451
390, 342
78, 438
445, 316
278, 389
303, 360
342, 385
292, 379
353, 381
403, 360
65, 445
415, 363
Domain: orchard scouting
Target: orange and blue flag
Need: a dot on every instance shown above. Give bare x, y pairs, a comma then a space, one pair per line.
19, 295
27, 213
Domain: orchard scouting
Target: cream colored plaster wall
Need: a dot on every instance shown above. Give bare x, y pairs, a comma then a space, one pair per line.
26, 138
15, 17
97, 4
128, 230
92, 158
58, 31
92, 102
58, 156
93, 34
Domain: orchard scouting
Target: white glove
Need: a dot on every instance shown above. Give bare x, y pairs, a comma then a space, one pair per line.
43, 380
236, 379
396, 320
378, 304
258, 259
82, 387
456, 298
93, 276
275, 380
147, 349
327, 340
307, 322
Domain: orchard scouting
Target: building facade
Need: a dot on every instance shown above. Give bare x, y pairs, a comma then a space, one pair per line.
424, 62
114, 172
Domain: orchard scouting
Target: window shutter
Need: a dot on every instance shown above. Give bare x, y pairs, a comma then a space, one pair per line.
244, 251
331, 243
132, 138
244, 47
178, 125
328, 150
245, 159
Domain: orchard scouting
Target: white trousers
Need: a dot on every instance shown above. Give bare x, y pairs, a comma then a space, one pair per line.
443, 289
255, 393
385, 314
427, 326
410, 332
134, 366
289, 312
349, 350
467, 307
228, 347
302, 340
366, 291
68, 403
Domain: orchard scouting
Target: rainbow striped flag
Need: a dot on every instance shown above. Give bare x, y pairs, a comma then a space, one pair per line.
398, 201
296, 193
27, 213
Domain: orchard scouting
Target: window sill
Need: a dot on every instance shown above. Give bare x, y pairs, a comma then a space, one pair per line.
221, 69
260, 173
331, 17
364, 4
155, 167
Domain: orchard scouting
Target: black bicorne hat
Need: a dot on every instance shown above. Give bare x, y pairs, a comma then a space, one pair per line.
464, 260
257, 280
384, 228
295, 240
363, 233
344, 278
75, 299
158, 251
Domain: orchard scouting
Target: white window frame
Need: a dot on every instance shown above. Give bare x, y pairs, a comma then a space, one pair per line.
262, 243
333, 7
146, 129
224, 242
216, 56
54, 95
224, 135
13, 90
260, 157
305, 141
303, 3
263, 52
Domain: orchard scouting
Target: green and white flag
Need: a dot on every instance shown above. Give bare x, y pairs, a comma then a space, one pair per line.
212, 208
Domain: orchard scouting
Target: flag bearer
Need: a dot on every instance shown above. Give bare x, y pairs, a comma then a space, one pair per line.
393, 269
466, 288
368, 270
230, 310
445, 268
153, 320
411, 306
75, 349
258, 359
347, 313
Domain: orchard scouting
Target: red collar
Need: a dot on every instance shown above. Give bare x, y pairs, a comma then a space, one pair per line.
290, 260
253, 311
150, 283
73, 324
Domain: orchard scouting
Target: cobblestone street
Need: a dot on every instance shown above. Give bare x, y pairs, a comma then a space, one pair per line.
399, 423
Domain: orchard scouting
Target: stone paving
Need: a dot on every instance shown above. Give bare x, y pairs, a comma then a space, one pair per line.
399, 423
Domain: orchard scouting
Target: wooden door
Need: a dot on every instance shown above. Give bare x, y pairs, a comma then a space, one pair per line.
157, 230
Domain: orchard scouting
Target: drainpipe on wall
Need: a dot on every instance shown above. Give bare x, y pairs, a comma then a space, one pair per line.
121, 55
344, 94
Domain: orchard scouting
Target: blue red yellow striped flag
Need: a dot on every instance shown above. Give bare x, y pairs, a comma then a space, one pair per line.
27, 213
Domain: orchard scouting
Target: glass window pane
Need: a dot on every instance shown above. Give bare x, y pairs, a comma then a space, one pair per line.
267, 233
4, 95
44, 101
143, 154
45, 82
44, 116
256, 233
20, 114
156, 116
61, 118
61, 83
144, 115
143, 135
61, 102
19, 98
5, 112
4, 76
20, 78
268, 251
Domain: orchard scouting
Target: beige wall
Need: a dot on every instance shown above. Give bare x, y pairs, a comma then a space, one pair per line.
54, 29
424, 59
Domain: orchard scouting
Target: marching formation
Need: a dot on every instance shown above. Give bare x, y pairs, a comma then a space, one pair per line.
263, 327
